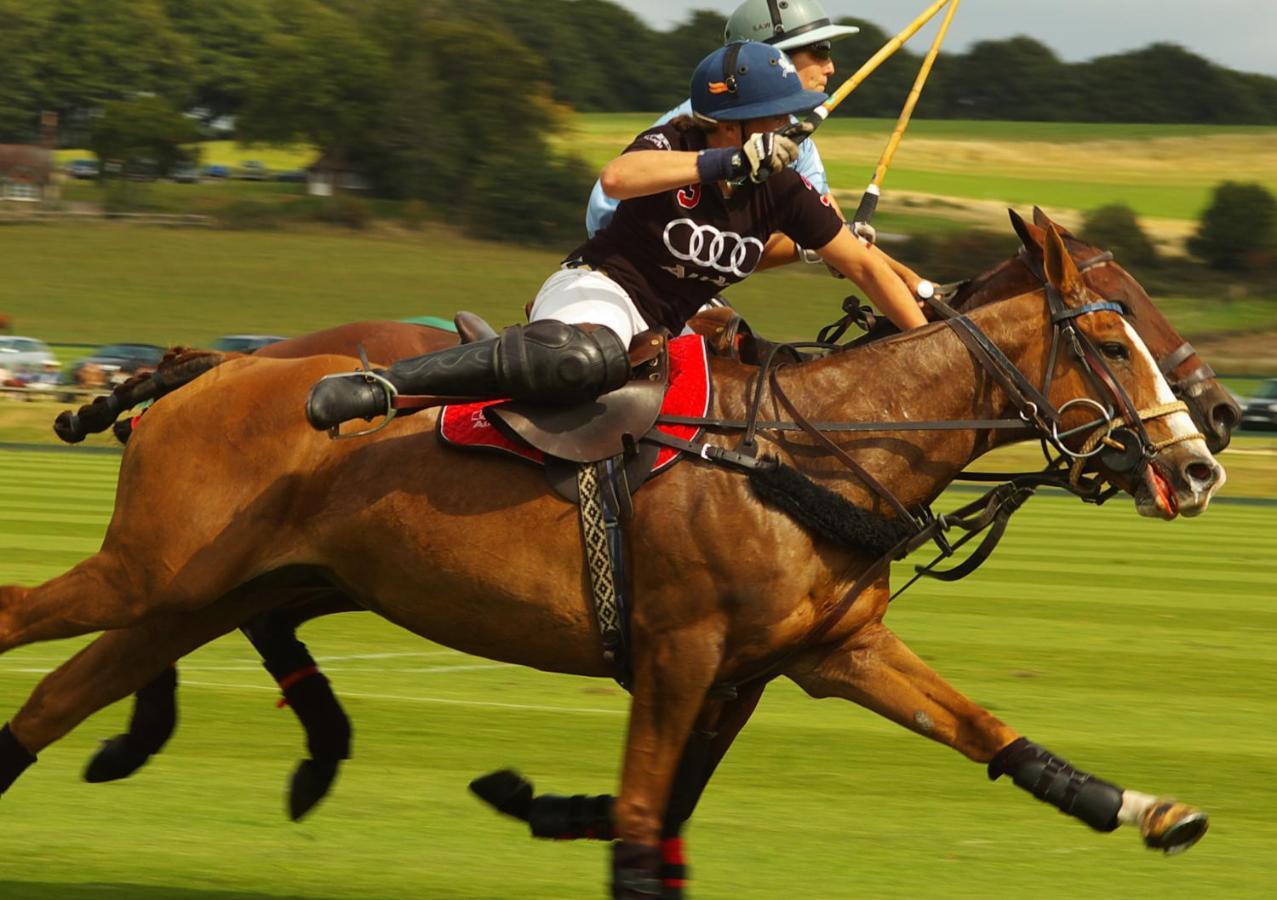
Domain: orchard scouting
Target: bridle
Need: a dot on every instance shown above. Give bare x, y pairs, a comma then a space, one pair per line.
1167, 363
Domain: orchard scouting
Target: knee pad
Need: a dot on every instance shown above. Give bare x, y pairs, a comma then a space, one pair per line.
553, 362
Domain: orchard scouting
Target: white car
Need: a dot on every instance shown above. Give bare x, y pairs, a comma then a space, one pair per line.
21, 355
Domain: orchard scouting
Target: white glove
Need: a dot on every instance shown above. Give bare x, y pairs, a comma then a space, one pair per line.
767, 153
867, 234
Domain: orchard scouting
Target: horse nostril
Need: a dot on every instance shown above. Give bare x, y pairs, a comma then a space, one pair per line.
1201, 475
1225, 417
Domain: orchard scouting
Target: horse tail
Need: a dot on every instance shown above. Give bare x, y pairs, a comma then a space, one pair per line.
180, 366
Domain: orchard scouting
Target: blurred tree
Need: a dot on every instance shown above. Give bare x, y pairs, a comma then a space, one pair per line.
147, 135
91, 52
319, 79
1115, 227
19, 84
1238, 227
1018, 78
228, 38
1166, 83
883, 93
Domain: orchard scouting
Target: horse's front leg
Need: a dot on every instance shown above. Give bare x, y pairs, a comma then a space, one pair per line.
673, 672
875, 669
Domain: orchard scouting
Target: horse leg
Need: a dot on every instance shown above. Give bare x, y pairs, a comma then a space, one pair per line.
112, 666
671, 679
307, 691
875, 669
591, 817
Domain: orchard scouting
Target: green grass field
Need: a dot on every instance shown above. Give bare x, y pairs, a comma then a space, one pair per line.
1140, 650
1161, 171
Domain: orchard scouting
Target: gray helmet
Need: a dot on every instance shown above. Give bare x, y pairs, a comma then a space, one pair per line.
787, 24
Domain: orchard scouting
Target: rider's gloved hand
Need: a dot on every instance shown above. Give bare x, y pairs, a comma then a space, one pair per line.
767, 153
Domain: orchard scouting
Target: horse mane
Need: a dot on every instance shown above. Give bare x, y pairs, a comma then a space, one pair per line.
826, 513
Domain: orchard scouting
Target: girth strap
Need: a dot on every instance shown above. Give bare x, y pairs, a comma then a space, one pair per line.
600, 533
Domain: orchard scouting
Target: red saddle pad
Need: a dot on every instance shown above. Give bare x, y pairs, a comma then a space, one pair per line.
465, 425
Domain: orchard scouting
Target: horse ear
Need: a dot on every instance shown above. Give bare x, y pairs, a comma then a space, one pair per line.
1060, 269
1030, 235
1043, 221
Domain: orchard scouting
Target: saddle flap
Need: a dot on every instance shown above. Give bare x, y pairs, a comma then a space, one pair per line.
589, 432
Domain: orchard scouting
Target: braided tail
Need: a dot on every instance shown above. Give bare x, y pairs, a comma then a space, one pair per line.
180, 366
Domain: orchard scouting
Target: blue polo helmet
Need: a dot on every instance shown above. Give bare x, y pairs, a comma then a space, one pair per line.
749, 80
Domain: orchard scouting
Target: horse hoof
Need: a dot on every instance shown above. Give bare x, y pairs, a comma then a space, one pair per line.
115, 759
310, 783
505, 791
1173, 827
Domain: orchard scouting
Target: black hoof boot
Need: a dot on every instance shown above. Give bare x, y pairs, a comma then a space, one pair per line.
506, 791
636, 872
311, 782
151, 725
14, 758
338, 399
118, 757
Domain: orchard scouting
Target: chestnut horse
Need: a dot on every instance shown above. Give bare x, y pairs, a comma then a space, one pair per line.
274, 633
395, 519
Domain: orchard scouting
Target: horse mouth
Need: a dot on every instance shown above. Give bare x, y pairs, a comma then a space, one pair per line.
1160, 499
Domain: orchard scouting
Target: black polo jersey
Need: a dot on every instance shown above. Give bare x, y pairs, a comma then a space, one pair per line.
675, 250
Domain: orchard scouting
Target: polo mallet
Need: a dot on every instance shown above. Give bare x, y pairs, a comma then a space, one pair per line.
869, 200
820, 113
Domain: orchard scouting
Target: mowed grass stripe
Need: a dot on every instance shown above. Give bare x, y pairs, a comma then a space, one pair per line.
1139, 684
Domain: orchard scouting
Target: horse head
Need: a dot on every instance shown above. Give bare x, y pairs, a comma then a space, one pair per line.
1191, 379
1150, 446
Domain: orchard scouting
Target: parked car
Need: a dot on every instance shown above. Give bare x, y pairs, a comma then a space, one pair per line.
253, 170
1259, 412
21, 355
216, 171
115, 359
244, 343
185, 174
83, 168
294, 176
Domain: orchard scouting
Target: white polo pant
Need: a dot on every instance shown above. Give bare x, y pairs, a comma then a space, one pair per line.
578, 296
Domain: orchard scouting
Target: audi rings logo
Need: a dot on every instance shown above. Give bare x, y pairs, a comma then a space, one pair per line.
704, 245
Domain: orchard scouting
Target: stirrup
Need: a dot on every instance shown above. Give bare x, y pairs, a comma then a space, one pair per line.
370, 376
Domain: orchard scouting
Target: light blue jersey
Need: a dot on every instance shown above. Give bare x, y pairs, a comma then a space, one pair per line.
602, 207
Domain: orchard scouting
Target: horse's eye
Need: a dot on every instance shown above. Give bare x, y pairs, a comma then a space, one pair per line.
1115, 350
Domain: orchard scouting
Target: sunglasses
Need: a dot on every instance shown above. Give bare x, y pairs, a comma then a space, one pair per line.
821, 51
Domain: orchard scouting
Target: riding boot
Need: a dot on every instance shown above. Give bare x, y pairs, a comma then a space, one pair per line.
547, 362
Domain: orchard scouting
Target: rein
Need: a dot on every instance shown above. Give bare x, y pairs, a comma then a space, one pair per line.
1125, 447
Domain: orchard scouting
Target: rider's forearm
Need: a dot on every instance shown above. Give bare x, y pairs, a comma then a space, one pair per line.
870, 270
645, 172
779, 251
911, 278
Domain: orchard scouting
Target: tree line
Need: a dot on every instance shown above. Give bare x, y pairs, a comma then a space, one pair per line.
592, 55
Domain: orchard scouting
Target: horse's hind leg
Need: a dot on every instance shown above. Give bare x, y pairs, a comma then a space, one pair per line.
307, 691
113, 666
876, 670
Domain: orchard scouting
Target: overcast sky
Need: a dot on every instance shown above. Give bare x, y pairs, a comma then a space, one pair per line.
1241, 34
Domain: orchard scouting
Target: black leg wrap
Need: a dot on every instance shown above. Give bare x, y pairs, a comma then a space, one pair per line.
570, 818
14, 758
152, 724
327, 726
1052, 780
636, 871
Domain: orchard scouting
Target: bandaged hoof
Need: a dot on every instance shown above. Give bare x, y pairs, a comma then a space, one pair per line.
636, 872
1172, 827
311, 782
505, 791
118, 757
